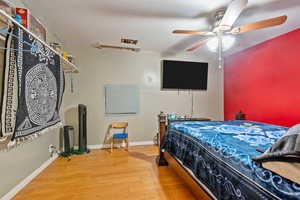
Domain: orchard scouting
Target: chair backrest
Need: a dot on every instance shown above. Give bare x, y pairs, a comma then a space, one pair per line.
119, 124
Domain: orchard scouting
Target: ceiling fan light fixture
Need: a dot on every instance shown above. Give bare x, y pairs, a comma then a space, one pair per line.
227, 42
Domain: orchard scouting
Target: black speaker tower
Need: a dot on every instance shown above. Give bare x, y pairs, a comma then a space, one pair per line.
68, 143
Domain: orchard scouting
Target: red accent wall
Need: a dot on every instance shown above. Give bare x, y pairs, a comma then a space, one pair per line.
264, 81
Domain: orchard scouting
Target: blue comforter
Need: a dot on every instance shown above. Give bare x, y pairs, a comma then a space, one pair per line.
219, 154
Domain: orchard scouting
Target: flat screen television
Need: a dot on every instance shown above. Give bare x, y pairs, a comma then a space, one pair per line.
184, 75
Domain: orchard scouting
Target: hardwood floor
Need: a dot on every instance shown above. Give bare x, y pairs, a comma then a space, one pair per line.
101, 175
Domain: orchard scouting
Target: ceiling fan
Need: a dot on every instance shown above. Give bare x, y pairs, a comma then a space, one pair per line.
224, 26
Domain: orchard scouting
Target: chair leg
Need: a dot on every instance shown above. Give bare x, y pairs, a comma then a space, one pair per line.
112, 145
127, 144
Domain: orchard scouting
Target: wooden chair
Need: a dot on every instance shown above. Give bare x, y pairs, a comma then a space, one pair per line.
120, 135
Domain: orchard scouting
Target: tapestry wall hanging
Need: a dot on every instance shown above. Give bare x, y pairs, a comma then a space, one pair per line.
33, 88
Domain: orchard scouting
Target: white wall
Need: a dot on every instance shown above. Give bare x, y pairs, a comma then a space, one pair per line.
100, 67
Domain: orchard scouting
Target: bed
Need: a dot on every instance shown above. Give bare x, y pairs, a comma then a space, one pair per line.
218, 156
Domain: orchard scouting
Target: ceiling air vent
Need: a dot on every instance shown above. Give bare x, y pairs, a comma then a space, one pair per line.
129, 41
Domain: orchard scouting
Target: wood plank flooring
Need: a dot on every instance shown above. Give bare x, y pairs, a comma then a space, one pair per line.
102, 175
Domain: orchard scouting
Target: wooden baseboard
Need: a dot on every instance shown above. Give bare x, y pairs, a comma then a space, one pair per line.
193, 184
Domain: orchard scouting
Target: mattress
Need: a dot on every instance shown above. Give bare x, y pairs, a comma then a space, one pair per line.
219, 156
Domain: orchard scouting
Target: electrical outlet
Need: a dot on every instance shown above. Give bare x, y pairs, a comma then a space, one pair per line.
51, 148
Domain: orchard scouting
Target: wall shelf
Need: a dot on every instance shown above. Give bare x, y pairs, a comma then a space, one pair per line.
67, 65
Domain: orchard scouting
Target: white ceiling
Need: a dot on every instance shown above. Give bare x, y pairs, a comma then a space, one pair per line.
82, 22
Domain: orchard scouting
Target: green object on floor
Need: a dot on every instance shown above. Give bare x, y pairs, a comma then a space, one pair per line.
80, 152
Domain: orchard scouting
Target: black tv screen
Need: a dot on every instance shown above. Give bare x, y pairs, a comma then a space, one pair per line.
184, 75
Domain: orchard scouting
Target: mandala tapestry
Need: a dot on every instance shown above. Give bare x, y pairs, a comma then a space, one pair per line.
35, 87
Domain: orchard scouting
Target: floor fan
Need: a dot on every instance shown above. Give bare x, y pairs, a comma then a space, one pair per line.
82, 133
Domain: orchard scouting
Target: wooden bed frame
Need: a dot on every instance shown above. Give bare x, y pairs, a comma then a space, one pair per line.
199, 191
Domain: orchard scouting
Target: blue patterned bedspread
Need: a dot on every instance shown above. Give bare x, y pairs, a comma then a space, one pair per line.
219, 154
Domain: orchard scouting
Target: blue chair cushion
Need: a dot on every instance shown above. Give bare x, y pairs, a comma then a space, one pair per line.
120, 135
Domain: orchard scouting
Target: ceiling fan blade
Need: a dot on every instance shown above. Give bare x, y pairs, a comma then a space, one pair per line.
260, 25
199, 44
192, 32
233, 11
